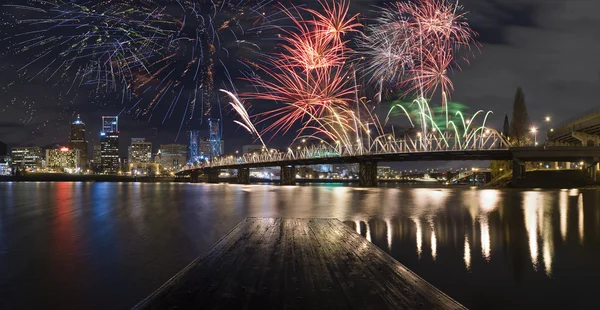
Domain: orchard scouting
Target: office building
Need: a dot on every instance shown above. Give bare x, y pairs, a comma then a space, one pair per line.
77, 141
139, 161
109, 145
96, 161
63, 160
110, 124
140, 151
206, 148
171, 157
29, 157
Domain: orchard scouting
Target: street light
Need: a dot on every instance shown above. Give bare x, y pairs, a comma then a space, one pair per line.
534, 131
548, 119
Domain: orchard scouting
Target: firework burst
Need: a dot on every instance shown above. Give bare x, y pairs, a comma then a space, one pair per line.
149, 52
414, 45
309, 78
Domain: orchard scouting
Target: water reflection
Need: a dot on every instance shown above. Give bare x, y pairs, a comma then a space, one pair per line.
486, 227
467, 256
580, 217
531, 204
563, 205
124, 240
419, 236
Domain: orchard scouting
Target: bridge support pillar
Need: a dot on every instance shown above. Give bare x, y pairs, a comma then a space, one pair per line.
288, 175
194, 176
367, 174
592, 171
518, 170
212, 174
555, 165
243, 176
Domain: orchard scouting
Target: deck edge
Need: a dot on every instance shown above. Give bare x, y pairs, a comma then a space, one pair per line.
146, 301
434, 288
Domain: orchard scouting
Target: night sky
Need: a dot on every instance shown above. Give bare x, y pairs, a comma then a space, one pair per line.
549, 48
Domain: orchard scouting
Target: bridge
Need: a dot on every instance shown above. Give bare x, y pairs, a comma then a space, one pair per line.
392, 151
583, 129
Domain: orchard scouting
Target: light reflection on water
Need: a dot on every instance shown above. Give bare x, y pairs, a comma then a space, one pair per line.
69, 245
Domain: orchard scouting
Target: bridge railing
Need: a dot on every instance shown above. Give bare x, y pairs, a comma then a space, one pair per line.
484, 139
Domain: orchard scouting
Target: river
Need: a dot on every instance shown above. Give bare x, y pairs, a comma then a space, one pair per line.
109, 245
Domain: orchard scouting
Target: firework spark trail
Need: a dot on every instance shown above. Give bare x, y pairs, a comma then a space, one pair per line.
413, 46
246, 122
150, 43
309, 77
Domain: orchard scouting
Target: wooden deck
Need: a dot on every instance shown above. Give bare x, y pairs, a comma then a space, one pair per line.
266, 263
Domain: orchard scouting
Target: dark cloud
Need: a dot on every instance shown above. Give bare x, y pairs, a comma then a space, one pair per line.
554, 62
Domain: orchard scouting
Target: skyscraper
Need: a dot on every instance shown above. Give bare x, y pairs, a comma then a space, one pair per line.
77, 141
109, 144
110, 124
216, 145
194, 144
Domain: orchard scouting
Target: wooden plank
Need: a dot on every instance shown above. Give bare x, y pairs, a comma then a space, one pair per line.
266, 263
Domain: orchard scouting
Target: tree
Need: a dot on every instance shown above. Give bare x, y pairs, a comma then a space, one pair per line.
506, 128
499, 168
519, 127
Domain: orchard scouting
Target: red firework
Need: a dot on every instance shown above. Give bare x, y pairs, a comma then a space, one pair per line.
334, 21
309, 77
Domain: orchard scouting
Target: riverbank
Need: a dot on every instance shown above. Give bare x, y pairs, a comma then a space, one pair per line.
63, 177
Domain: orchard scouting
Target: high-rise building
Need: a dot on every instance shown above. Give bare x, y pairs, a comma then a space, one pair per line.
110, 124
109, 145
140, 151
64, 159
194, 145
77, 141
140, 158
216, 144
97, 155
171, 156
206, 148
29, 157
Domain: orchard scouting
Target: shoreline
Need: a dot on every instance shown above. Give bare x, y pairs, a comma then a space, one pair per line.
539, 179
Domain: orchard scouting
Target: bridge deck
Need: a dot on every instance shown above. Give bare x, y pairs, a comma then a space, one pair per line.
296, 264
